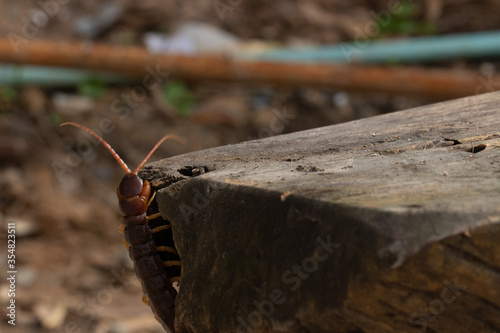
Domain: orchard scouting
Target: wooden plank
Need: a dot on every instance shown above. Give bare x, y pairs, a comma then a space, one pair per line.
386, 224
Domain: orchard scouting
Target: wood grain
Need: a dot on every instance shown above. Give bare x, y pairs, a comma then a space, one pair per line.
410, 200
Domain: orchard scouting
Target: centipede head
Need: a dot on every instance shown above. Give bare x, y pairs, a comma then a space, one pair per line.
131, 184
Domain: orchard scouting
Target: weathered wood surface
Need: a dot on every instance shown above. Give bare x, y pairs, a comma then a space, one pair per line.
386, 224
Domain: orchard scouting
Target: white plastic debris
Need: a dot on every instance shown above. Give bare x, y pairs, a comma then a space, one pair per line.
191, 38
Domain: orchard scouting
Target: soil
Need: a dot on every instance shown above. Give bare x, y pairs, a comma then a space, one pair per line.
58, 185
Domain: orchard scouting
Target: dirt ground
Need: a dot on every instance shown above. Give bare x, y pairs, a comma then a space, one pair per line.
58, 186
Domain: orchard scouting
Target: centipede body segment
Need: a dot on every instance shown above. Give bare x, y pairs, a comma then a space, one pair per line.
148, 238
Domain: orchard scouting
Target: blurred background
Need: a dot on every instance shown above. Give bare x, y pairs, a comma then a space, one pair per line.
58, 186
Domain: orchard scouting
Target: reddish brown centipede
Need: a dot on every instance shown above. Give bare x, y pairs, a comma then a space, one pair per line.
156, 261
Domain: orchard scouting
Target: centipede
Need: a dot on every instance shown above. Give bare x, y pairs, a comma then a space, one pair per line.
147, 236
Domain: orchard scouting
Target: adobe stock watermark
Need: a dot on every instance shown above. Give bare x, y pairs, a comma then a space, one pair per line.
293, 278
84, 150
122, 107
370, 30
428, 314
224, 6
277, 124
89, 308
486, 80
39, 18
201, 200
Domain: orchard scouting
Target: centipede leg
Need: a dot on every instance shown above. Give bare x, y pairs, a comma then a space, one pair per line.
153, 216
151, 200
160, 228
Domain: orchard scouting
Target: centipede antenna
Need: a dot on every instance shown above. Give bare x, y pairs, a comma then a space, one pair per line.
101, 140
170, 136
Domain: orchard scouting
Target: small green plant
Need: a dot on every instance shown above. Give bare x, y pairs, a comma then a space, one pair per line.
7, 97
405, 23
8, 94
54, 118
93, 88
178, 95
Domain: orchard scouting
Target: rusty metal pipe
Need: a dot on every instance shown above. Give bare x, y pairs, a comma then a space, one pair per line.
137, 61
